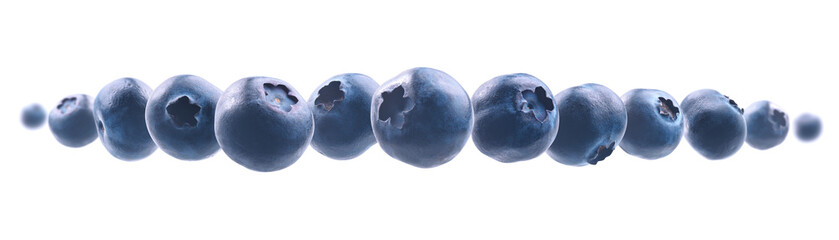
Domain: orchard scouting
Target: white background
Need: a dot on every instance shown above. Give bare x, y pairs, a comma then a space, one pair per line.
785, 51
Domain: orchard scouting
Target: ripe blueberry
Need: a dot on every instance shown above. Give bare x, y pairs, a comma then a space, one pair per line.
180, 116
33, 116
714, 123
653, 123
592, 121
263, 123
515, 118
422, 117
766, 125
341, 111
120, 114
808, 127
71, 121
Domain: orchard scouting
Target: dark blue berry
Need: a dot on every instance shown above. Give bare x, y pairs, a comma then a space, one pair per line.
180, 116
263, 123
654, 123
71, 121
808, 127
766, 124
592, 121
33, 116
341, 110
422, 117
714, 123
120, 114
515, 118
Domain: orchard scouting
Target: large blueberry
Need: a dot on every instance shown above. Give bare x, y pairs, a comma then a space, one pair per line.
341, 110
33, 116
120, 114
180, 116
654, 124
515, 118
714, 124
422, 117
808, 127
263, 123
592, 121
71, 121
766, 124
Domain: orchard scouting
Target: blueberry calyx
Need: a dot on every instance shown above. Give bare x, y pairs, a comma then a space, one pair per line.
733, 104
778, 118
66, 104
278, 95
329, 95
536, 102
182, 112
394, 106
667, 108
602, 152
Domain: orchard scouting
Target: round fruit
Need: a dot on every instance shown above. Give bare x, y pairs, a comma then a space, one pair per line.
120, 114
180, 116
592, 121
263, 123
341, 110
71, 121
767, 125
714, 123
422, 117
654, 123
515, 118
33, 116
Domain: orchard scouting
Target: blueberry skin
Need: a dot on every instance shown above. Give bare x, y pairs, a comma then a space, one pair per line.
33, 116
654, 124
808, 127
766, 125
714, 124
341, 110
515, 118
181, 115
592, 121
71, 121
422, 117
120, 114
263, 123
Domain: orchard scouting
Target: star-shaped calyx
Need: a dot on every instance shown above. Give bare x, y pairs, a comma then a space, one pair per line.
666, 108
536, 102
394, 106
182, 112
329, 95
279, 96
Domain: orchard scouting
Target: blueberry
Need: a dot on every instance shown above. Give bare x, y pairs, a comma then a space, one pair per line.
515, 118
120, 114
766, 125
592, 121
263, 123
180, 116
71, 121
654, 124
714, 124
341, 110
422, 117
808, 127
33, 116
